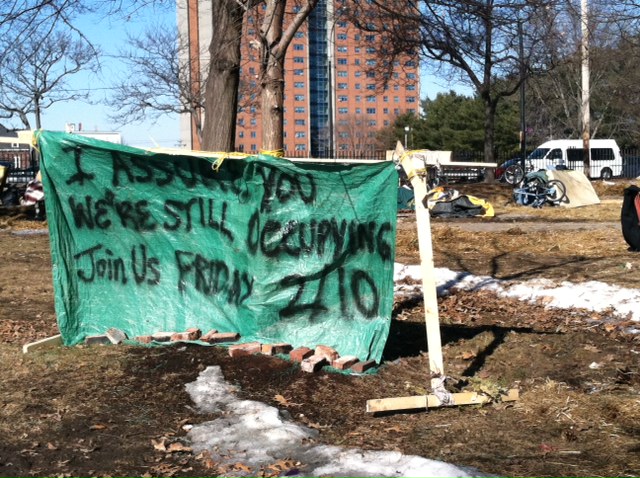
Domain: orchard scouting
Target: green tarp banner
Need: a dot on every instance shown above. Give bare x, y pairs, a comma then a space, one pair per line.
276, 251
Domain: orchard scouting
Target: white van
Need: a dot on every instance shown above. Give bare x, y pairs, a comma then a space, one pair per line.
606, 160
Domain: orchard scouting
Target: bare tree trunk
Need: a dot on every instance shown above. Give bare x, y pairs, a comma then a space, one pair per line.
273, 77
489, 134
38, 113
221, 93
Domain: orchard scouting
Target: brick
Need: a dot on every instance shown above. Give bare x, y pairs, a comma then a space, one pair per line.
313, 363
301, 353
190, 334
116, 336
360, 367
194, 333
97, 340
221, 337
327, 352
205, 337
276, 349
162, 336
249, 348
144, 339
343, 363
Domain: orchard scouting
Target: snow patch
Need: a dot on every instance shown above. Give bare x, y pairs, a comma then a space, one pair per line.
257, 434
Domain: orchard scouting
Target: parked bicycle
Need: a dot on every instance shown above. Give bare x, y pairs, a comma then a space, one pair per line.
537, 190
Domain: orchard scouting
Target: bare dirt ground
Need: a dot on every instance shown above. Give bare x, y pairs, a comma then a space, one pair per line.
115, 411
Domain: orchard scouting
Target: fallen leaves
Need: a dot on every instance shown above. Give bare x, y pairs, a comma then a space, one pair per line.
174, 447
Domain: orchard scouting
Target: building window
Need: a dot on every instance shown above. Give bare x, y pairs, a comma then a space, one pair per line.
298, 97
299, 35
357, 61
411, 87
343, 98
298, 72
301, 147
254, 147
371, 74
241, 134
372, 122
342, 86
342, 74
357, 74
410, 63
371, 62
396, 99
358, 98
385, 99
357, 86
300, 134
411, 99
299, 109
298, 84
342, 49
343, 111
411, 76
370, 38
343, 134
298, 59
342, 24
385, 111
358, 111
357, 49
298, 47
371, 99
371, 86
299, 122
396, 111
253, 122
253, 134
411, 110
371, 50
342, 61
371, 111
341, 36
386, 122
396, 87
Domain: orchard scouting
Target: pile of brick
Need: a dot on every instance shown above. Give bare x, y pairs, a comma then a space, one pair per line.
310, 360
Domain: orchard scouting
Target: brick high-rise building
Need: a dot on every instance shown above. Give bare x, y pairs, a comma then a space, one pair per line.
334, 104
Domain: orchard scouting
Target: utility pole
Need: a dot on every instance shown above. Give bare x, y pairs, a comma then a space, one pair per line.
586, 120
523, 125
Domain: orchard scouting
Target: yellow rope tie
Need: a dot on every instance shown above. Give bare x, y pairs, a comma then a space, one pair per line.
278, 153
34, 139
218, 162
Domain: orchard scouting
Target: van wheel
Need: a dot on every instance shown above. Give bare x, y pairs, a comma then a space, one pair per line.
606, 174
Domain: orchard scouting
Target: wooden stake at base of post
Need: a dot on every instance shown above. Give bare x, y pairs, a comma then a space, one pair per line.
434, 341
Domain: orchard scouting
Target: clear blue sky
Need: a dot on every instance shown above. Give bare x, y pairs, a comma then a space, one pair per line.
110, 35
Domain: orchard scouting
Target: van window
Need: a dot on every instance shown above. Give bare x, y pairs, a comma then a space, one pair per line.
555, 154
539, 153
597, 154
602, 154
574, 154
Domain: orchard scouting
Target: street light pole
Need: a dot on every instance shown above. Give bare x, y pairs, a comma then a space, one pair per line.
406, 135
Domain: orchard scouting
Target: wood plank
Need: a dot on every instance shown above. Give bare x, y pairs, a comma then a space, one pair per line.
49, 342
423, 221
418, 402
